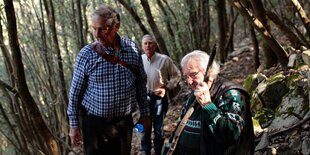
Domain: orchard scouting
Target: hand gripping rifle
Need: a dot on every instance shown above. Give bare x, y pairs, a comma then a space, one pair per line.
191, 108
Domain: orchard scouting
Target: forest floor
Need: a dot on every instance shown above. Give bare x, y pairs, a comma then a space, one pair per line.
237, 68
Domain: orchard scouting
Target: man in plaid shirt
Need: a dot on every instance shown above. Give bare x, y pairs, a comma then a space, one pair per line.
107, 91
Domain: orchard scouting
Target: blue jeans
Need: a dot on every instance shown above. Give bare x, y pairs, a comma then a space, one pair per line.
158, 113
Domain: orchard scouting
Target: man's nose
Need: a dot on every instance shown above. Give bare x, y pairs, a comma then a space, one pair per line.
96, 33
189, 80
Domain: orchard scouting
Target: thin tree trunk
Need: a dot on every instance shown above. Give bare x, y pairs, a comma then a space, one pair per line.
259, 11
302, 14
182, 39
297, 31
80, 24
39, 125
85, 17
62, 106
135, 16
150, 19
222, 28
51, 20
206, 25
192, 22
229, 46
255, 46
296, 42
276, 47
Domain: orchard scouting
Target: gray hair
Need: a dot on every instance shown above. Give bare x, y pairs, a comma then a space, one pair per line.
148, 36
108, 13
201, 58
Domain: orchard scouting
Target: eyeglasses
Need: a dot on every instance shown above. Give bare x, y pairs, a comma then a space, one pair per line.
192, 75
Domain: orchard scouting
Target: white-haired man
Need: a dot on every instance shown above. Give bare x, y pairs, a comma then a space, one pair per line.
221, 122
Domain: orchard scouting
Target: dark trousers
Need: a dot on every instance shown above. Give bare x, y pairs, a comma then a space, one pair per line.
157, 116
103, 136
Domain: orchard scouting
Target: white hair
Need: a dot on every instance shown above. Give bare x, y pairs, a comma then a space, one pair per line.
201, 58
150, 37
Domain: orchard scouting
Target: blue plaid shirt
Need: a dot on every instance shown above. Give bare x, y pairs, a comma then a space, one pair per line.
105, 89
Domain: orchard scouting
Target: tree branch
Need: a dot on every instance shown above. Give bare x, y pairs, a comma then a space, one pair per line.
9, 88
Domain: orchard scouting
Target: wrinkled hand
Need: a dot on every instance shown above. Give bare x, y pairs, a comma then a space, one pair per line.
146, 121
160, 92
75, 136
202, 94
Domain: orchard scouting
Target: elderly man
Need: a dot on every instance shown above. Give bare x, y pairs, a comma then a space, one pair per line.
221, 120
162, 74
108, 82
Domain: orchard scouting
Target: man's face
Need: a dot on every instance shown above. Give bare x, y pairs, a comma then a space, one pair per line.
193, 74
149, 46
102, 32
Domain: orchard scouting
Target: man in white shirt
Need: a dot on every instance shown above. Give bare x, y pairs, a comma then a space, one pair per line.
162, 74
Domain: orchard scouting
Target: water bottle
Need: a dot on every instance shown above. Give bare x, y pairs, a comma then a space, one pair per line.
159, 106
138, 132
139, 128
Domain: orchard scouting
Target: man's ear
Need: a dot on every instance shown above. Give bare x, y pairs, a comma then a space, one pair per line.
117, 26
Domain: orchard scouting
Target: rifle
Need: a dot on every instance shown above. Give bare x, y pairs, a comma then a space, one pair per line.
191, 107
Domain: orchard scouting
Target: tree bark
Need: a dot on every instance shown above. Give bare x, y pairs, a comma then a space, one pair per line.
192, 23
222, 28
181, 37
296, 42
229, 46
255, 46
259, 11
37, 121
150, 19
135, 16
51, 20
80, 24
206, 25
302, 14
61, 107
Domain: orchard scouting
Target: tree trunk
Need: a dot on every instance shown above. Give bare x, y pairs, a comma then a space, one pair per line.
4, 87
259, 11
193, 20
168, 24
62, 106
302, 14
220, 7
229, 46
39, 126
51, 20
255, 46
181, 37
276, 47
80, 24
206, 25
296, 42
150, 19
134, 15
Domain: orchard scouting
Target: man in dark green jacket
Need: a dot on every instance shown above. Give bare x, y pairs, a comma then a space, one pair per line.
221, 122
